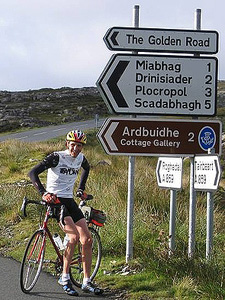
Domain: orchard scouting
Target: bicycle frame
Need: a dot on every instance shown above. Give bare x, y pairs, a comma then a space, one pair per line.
45, 229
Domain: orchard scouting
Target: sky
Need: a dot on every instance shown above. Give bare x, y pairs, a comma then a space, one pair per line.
59, 43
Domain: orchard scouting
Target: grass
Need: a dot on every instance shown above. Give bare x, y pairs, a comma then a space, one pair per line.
152, 274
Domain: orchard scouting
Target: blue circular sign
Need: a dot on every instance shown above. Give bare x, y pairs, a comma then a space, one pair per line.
207, 138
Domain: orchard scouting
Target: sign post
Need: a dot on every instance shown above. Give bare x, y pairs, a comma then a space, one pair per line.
161, 40
131, 172
207, 173
160, 85
172, 225
169, 172
169, 175
159, 137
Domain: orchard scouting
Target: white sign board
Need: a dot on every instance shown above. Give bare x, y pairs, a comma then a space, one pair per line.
169, 172
207, 173
161, 40
160, 85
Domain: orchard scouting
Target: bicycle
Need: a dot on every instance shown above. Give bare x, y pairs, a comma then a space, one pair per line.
34, 255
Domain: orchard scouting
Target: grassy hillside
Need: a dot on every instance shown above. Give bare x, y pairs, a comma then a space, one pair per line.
151, 274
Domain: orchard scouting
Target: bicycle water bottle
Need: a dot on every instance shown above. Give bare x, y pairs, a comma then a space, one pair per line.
58, 241
65, 241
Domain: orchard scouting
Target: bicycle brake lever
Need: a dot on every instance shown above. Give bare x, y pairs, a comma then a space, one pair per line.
82, 203
23, 207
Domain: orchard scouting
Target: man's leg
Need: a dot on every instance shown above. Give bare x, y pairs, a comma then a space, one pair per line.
70, 229
86, 242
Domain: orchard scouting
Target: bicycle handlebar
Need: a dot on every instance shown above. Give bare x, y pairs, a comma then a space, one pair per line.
26, 201
83, 201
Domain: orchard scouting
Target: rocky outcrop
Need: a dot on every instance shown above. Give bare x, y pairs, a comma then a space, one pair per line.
35, 108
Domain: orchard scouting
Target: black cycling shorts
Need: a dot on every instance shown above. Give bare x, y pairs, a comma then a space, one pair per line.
71, 209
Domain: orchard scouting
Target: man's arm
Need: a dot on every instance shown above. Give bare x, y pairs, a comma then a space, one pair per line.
84, 175
50, 161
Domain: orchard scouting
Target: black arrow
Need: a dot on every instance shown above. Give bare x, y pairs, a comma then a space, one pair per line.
158, 171
217, 172
113, 38
113, 80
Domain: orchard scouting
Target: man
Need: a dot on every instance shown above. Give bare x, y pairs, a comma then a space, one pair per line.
63, 168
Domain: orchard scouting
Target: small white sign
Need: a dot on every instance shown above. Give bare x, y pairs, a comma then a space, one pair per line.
169, 172
207, 173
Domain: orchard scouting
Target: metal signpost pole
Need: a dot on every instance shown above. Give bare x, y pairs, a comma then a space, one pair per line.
172, 226
192, 208
131, 170
209, 234
209, 225
169, 175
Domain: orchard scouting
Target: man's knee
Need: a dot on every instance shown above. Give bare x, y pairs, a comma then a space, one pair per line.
86, 241
73, 239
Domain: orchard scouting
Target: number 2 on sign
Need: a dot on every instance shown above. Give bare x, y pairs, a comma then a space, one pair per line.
191, 136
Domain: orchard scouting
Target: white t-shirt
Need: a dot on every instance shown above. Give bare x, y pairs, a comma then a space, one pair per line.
61, 179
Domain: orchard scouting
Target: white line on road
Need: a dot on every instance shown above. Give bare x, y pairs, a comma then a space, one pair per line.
22, 137
83, 125
59, 129
43, 132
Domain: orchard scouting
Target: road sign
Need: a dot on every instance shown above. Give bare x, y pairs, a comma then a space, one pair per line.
207, 172
155, 85
161, 40
169, 172
151, 137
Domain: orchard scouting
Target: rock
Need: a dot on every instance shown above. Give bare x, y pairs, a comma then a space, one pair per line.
36, 108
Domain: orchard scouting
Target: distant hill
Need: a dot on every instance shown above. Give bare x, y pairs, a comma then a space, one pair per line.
36, 108
49, 106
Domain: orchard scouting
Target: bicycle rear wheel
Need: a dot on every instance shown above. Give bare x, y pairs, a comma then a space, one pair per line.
32, 261
76, 268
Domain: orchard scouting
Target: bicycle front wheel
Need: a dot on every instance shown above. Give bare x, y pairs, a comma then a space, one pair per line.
76, 268
32, 261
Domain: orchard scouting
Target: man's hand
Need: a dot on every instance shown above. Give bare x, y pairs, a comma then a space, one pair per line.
81, 194
50, 198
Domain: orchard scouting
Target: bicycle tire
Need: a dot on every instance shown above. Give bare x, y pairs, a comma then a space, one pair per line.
32, 262
76, 268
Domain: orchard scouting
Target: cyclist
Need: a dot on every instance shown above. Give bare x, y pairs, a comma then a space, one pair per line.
63, 167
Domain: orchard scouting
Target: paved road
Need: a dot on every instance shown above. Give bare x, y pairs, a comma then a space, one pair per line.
46, 133
46, 287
